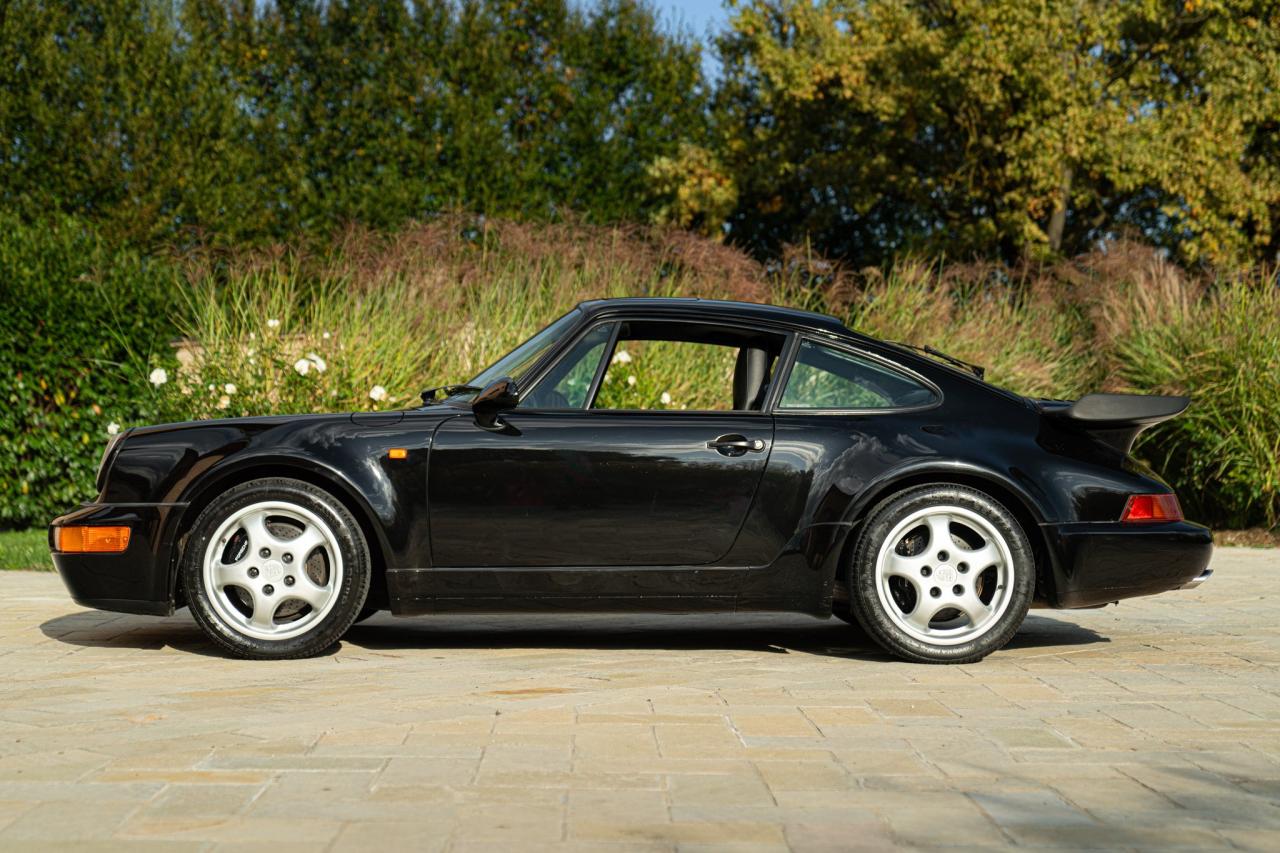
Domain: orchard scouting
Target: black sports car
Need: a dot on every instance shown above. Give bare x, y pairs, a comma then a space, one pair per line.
809, 468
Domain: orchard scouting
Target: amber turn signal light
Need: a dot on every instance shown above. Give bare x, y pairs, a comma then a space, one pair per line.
91, 540
1147, 508
398, 453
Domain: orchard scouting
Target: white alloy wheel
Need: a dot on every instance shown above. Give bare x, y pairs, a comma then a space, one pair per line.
943, 575
272, 570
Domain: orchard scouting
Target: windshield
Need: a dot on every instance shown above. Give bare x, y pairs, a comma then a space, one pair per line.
517, 362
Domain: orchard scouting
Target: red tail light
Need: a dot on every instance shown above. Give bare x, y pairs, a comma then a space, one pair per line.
1147, 508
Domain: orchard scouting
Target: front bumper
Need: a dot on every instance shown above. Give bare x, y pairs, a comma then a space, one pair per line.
139, 580
1098, 563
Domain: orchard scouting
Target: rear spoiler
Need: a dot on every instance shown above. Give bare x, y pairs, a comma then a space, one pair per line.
1115, 419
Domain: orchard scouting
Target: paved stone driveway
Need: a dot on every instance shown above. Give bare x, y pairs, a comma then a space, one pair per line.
1154, 724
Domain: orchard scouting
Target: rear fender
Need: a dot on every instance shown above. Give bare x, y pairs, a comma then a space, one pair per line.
832, 545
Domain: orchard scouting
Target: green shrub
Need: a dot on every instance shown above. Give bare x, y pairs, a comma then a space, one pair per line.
1224, 453
73, 310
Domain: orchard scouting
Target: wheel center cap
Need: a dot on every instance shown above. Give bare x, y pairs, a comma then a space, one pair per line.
273, 570
944, 574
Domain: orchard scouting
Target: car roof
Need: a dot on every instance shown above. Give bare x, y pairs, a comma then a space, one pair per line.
720, 309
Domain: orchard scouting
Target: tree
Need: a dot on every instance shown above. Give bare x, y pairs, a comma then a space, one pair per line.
240, 120
1002, 127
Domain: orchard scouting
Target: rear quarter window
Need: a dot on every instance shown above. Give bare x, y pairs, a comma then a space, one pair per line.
828, 378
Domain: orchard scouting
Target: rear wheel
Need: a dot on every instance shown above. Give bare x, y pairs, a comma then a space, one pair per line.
942, 574
276, 568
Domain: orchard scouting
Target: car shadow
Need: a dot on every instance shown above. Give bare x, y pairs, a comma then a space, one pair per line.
765, 632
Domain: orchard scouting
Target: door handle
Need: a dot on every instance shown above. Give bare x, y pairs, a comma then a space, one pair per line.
736, 445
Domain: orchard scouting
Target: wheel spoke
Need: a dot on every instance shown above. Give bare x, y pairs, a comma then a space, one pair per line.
304, 590
979, 558
939, 532
231, 574
303, 544
926, 608
971, 606
255, 527
904, 567
264, 611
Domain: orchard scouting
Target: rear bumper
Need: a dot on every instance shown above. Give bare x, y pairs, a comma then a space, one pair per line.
135, 581
1099, 563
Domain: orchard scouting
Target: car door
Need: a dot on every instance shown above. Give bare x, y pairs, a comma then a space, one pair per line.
563, 485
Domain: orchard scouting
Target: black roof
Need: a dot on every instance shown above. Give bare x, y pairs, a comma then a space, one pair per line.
720, 308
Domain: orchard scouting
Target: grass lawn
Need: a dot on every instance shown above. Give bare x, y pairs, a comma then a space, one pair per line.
25, 549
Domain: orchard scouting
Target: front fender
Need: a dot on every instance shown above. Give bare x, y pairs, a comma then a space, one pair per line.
372, 498
189, 465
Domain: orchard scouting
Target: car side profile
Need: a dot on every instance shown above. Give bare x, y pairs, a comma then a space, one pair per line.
786, 463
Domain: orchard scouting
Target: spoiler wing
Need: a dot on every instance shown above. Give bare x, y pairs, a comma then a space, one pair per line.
1116, 419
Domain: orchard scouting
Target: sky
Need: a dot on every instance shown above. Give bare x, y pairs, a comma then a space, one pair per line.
702, 18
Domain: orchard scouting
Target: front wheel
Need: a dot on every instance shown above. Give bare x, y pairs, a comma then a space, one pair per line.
276, 568
942, 574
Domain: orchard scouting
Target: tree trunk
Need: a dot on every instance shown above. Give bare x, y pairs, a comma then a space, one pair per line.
1058, 220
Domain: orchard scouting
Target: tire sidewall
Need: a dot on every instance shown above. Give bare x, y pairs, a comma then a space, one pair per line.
869, 610
353, 587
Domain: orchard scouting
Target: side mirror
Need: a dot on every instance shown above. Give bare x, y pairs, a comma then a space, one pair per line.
498, 396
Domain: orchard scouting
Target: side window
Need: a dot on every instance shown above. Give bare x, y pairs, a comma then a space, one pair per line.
828, 378
678, 365
568, 383
658, 374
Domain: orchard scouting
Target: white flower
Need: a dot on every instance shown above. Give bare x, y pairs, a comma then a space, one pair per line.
326, 336
631, 380
302, 365
666, 398
377, 393
210, 387
621, 357
321, 367
159, 376
224, 401
273, 323
230, 387
113, 428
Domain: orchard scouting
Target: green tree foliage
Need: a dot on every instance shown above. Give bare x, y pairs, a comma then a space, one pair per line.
238, 120
1002, 127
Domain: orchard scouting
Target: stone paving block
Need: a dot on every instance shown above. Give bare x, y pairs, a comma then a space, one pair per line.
789, 724
1031, 808
681, 833
11, 810
184, 800
308, 829
723, 789
897, 707
804, 775
66, 821
422, 836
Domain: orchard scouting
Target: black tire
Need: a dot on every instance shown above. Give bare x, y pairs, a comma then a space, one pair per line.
349, 592
870, 611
